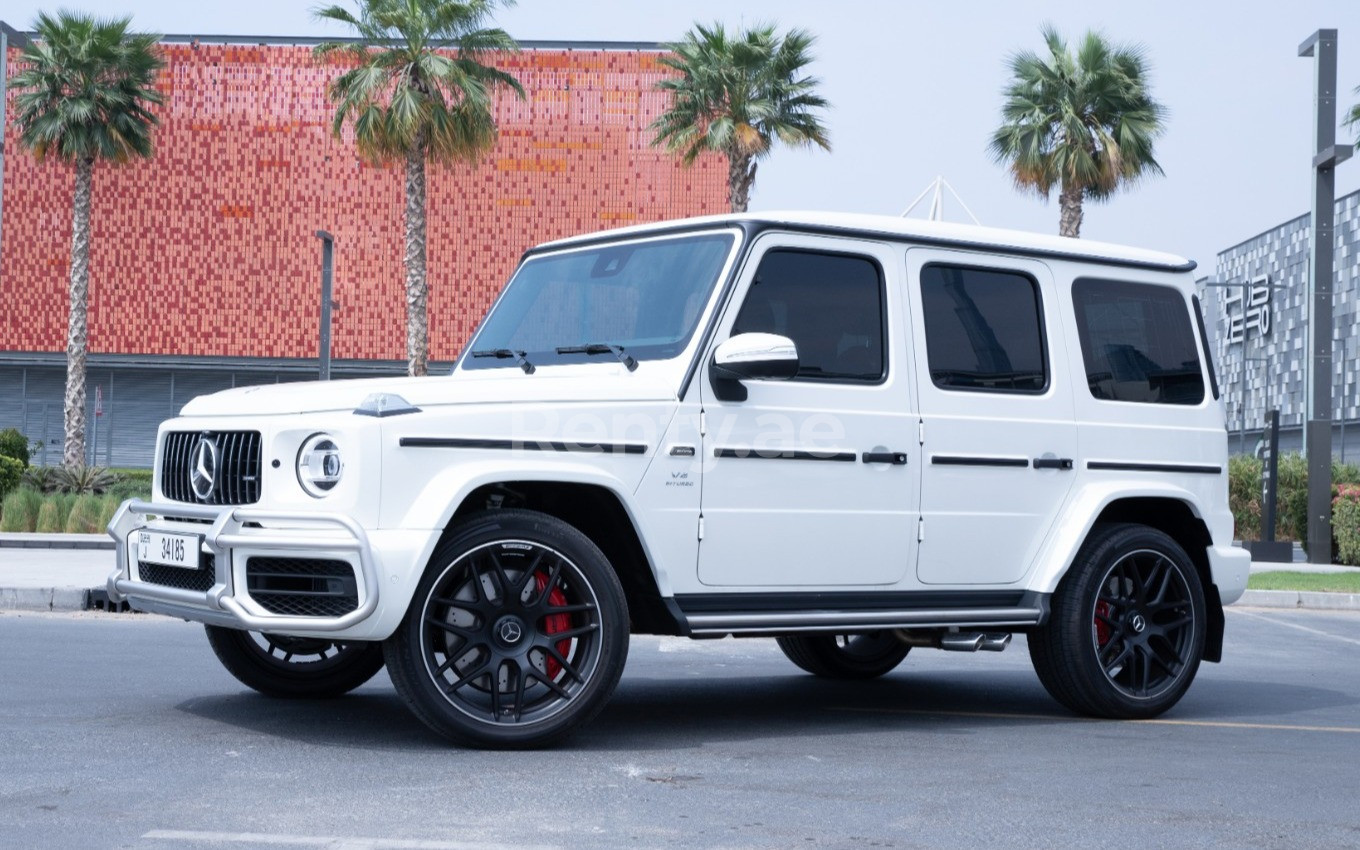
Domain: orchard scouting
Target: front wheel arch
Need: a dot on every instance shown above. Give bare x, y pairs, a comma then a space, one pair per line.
599, 514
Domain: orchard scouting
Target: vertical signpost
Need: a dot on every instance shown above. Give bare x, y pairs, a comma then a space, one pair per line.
1318, 435
1268, 548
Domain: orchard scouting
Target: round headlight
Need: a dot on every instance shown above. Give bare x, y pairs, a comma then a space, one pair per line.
319, 466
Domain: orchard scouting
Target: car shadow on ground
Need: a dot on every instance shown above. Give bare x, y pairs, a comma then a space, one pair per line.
660, 713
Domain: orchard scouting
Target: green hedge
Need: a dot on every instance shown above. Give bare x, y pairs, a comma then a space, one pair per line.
15, 445
1346, 524
11, 473
1291, 507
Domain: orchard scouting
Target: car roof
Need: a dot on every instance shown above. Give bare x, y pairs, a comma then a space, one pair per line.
909, 230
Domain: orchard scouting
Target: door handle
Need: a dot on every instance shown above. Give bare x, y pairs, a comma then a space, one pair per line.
1053, 463
894, 458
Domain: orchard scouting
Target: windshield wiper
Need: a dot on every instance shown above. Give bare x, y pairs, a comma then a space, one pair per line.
506, 354
601, 348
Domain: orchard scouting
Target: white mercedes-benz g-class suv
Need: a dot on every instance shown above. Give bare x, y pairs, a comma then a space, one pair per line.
857, 435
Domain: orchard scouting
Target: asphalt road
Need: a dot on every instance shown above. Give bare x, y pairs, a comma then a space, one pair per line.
123, 731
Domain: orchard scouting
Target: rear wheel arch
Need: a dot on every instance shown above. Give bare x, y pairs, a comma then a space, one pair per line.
599, 514
1179, 521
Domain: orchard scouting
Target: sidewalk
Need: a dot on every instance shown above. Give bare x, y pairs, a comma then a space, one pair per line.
38, 575
55, 572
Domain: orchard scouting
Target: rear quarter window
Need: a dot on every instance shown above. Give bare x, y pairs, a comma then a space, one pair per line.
1137, 342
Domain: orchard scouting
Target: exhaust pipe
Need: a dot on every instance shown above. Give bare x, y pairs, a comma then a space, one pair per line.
955, 641
996, 642
962, 641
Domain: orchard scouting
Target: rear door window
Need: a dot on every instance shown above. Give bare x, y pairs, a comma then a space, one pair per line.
1137, 342
984, 330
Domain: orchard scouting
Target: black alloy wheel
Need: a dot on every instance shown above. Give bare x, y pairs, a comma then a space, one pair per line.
848, 656
299, 667
516, 636
1126, 633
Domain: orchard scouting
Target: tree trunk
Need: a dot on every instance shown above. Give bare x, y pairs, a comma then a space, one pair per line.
417, 286
1069, 201
741, 174
77, 326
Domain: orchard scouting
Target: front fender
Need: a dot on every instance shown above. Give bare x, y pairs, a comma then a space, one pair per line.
434, 504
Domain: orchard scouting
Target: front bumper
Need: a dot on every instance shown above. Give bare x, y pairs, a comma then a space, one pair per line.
230, 535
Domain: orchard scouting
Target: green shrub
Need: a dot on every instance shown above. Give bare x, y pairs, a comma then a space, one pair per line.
56, 508
41, 478
1244, 496
137, 476
124, 490
1291, 512
15, 445
84, 516
19, 511
84, 479
11, 473
50, 520
1346, 524
108, 506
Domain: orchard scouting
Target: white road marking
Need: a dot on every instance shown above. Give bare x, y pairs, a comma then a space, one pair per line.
1049, 718
1296, 626
330, 842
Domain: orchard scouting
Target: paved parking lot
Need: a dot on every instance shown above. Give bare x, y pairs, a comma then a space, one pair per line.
122, 731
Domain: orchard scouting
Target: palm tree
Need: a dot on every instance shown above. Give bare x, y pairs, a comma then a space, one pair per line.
736, 96
418, 91
1083, 123
1352, 118
83, 95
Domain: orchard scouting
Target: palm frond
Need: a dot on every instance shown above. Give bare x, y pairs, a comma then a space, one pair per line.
1085, 119
419, 79
736, 94
85, 89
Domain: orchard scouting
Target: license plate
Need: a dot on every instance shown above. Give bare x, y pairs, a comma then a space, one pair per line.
172, 550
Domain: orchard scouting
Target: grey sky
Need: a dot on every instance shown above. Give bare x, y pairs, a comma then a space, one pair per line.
916, 92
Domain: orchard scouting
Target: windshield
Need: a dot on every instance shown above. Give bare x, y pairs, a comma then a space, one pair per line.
644, 297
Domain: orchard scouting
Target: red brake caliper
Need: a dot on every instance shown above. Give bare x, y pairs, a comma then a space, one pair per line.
554, 623
1102, 628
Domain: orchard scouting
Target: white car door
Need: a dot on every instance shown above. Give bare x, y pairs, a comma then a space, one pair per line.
812, 482
1000, 442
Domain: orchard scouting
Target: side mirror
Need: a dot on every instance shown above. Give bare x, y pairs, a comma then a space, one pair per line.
751, 356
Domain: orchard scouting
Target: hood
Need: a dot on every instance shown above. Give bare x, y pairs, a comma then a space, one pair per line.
597, 384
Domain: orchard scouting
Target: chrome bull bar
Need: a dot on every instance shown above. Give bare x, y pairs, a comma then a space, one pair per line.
219, 605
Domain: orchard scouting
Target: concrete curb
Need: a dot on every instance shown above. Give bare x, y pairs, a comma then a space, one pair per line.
44, 599
1300, 599
14, 540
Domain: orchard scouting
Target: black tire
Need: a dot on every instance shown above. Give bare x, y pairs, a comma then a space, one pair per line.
516, 635
296, 667
857, 656
1125, 634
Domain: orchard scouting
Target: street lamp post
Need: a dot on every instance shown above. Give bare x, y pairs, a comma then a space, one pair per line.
1321, 47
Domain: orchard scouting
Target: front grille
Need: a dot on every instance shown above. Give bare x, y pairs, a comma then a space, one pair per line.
236, 478
302, 587
178, 577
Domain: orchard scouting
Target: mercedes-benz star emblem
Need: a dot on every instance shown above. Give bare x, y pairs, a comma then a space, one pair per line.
1138, 623
203, 470
511, 631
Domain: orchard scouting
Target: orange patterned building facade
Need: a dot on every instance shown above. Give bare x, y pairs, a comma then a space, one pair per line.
208, 250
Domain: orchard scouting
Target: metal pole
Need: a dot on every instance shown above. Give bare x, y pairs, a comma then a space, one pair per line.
1318, 434
1242, 411
327, 258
